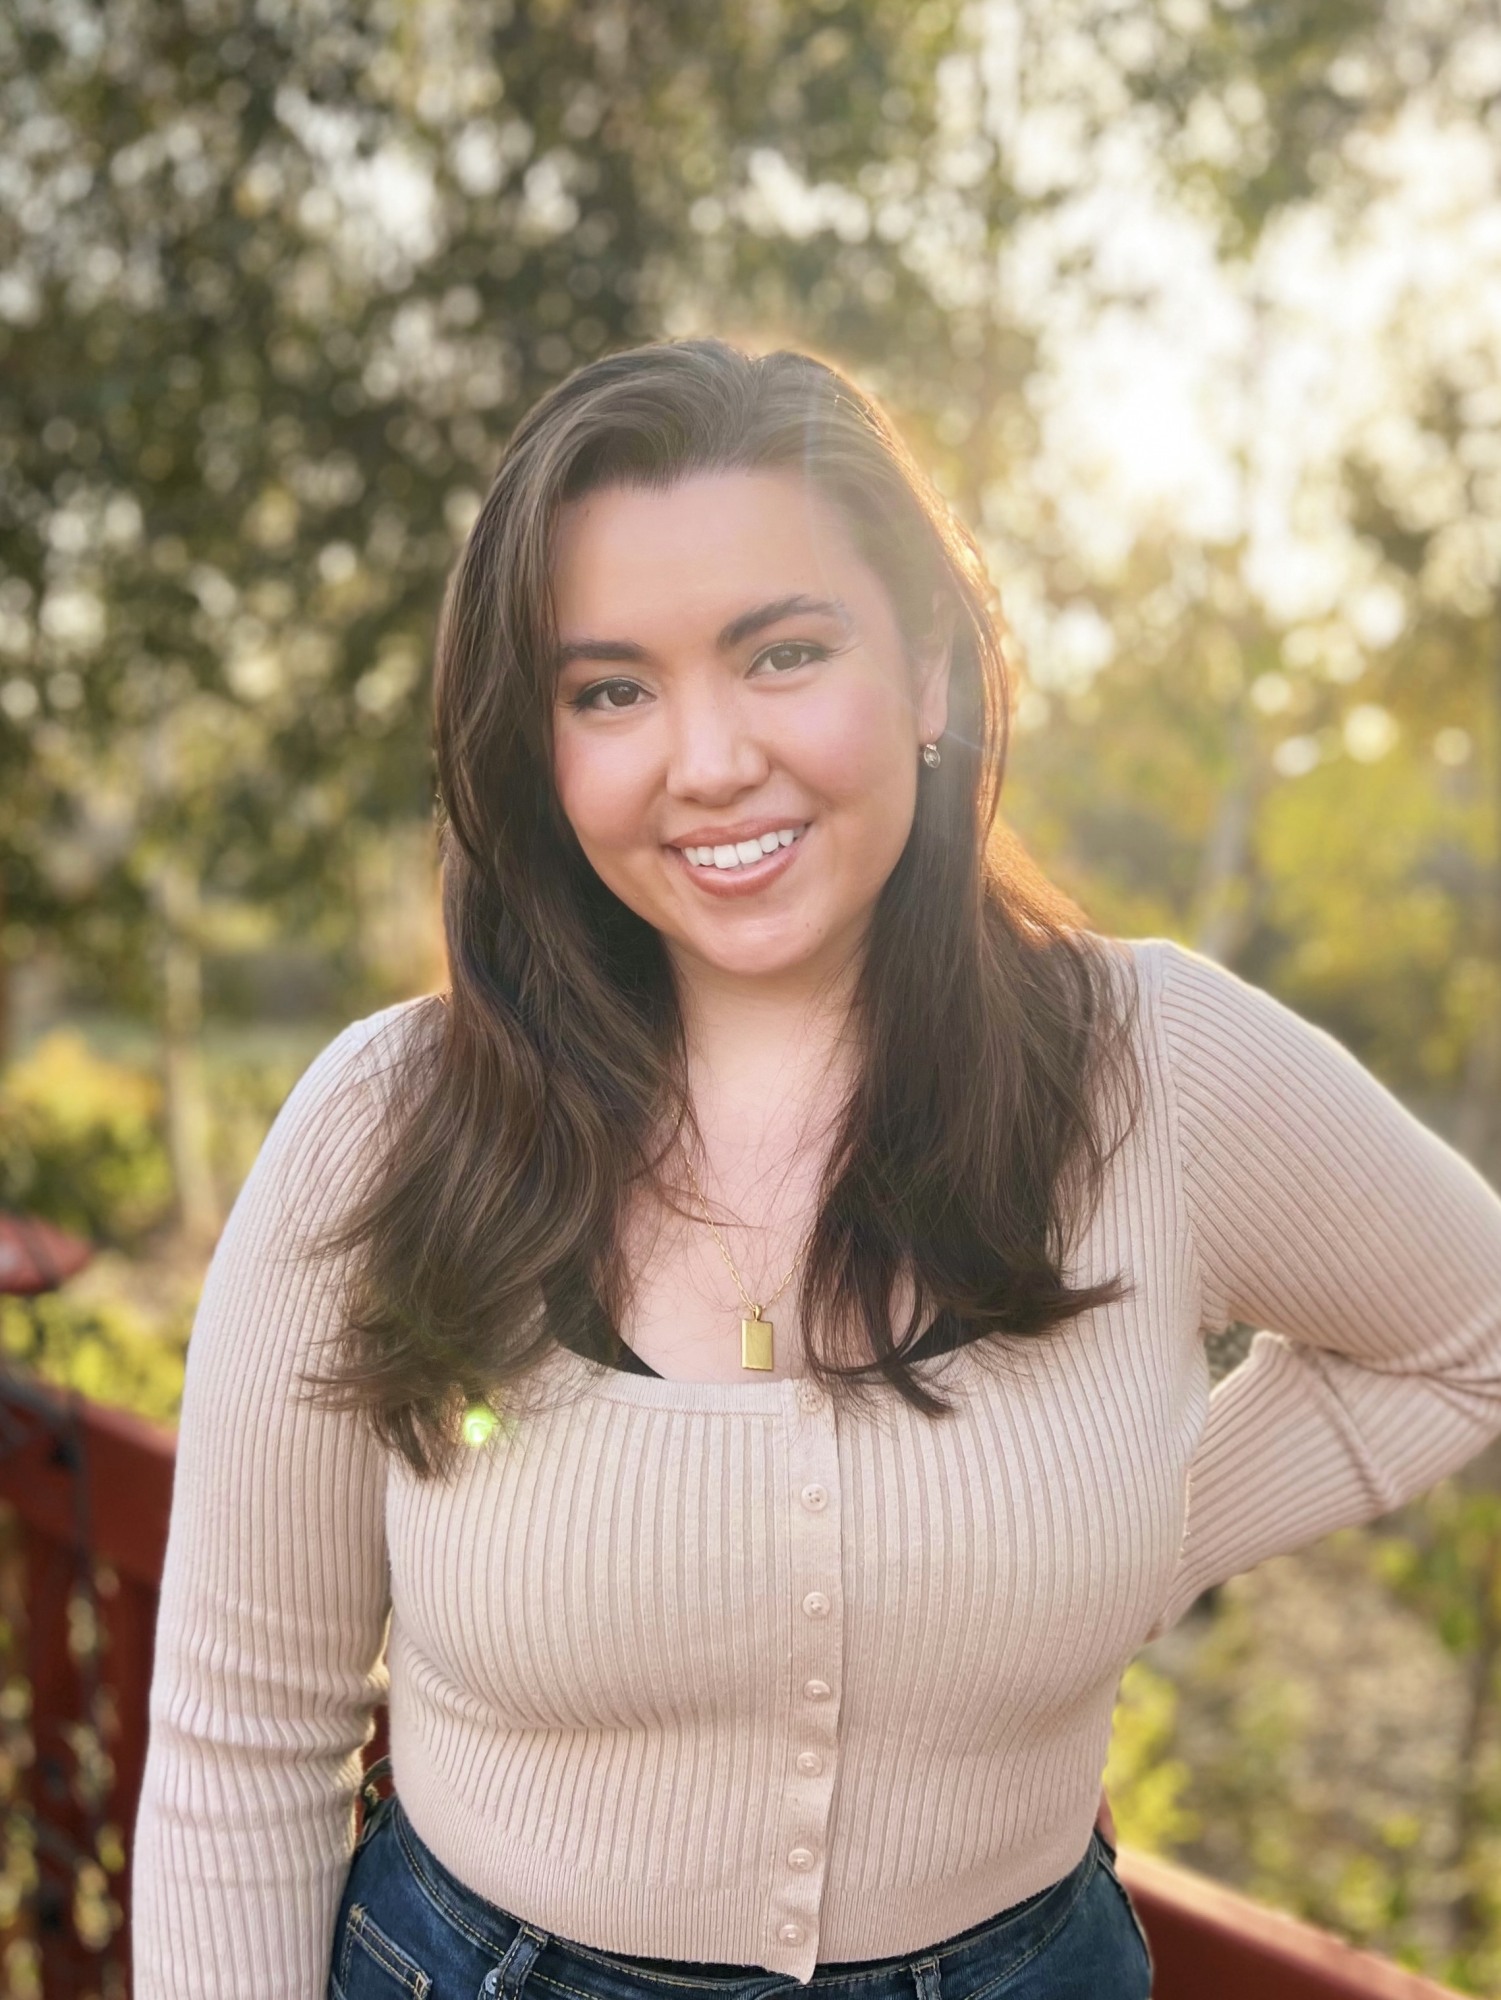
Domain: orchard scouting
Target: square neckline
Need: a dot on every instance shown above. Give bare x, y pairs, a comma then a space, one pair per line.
639, 1384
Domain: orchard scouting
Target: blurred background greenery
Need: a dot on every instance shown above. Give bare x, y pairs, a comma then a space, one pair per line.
1195, 310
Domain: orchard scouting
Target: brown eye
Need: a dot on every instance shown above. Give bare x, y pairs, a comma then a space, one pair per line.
589, 697
791, 653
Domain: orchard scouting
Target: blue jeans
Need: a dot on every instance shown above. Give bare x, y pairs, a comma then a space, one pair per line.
406, 1926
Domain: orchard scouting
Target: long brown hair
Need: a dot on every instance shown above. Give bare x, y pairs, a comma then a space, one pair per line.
526, 1098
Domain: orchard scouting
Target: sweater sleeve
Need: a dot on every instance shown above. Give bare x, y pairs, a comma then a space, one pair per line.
1365, 1249
271, 1629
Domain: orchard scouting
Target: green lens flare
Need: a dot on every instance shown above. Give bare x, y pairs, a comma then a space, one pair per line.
479, 1424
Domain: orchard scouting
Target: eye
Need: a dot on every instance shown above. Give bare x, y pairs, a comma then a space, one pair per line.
790, 653
589, 697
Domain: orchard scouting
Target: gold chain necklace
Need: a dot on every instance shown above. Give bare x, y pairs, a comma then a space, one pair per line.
756, 1333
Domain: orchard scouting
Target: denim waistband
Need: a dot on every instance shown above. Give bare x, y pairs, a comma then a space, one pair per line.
968, 1963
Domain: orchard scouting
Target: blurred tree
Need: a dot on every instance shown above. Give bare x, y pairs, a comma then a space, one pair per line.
1445, 1557
80, 1143
1270, 727
1144, 1780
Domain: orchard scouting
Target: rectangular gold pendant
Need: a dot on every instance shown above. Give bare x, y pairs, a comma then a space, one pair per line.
755, 1343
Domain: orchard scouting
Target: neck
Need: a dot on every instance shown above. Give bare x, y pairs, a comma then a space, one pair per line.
761, 1049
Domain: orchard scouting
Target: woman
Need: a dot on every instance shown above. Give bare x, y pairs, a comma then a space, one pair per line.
754, 1353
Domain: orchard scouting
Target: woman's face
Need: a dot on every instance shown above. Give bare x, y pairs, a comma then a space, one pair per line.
731, 670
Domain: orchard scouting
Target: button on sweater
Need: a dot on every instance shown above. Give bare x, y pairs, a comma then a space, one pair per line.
725, 1671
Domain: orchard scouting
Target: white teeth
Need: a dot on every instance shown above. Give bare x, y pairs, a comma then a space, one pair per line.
742, 852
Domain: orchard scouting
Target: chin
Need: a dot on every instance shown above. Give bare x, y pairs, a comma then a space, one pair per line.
752, 958
756, 964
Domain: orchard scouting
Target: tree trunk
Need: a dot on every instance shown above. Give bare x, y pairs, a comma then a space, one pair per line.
182, 1060
1467, 1911
1222, 897
7, 990
1478, 1128
1479, 1137
1475, 1121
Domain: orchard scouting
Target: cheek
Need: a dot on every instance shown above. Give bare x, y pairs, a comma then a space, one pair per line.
598, 791
855, 750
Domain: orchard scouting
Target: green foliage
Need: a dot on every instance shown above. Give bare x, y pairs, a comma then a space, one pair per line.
1146, 1784
1321, 1742
1443, 1557
1446, 1560
105, 1349
1358, 865
1287, 54
1159, 792
245, 1093
81, 1143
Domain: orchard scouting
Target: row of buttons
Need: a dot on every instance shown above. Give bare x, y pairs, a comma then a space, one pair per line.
816, 1604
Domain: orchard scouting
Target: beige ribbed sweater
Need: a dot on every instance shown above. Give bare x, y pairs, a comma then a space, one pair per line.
724, 1672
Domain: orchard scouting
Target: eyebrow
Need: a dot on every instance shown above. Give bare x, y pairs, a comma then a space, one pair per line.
797, 606
744, 627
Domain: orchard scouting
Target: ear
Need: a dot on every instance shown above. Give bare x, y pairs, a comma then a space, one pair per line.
930, 664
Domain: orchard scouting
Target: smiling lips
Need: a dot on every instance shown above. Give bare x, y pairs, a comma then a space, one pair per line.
742, 867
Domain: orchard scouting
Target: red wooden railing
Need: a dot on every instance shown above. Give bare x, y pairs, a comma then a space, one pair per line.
1208, 1943
89, 1489
91, 1486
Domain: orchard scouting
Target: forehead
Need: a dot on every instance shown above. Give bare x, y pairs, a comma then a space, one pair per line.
700, 551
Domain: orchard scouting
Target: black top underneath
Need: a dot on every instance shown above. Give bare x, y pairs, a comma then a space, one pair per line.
600, 1342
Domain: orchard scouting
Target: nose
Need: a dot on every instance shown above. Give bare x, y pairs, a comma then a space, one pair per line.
713, 752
